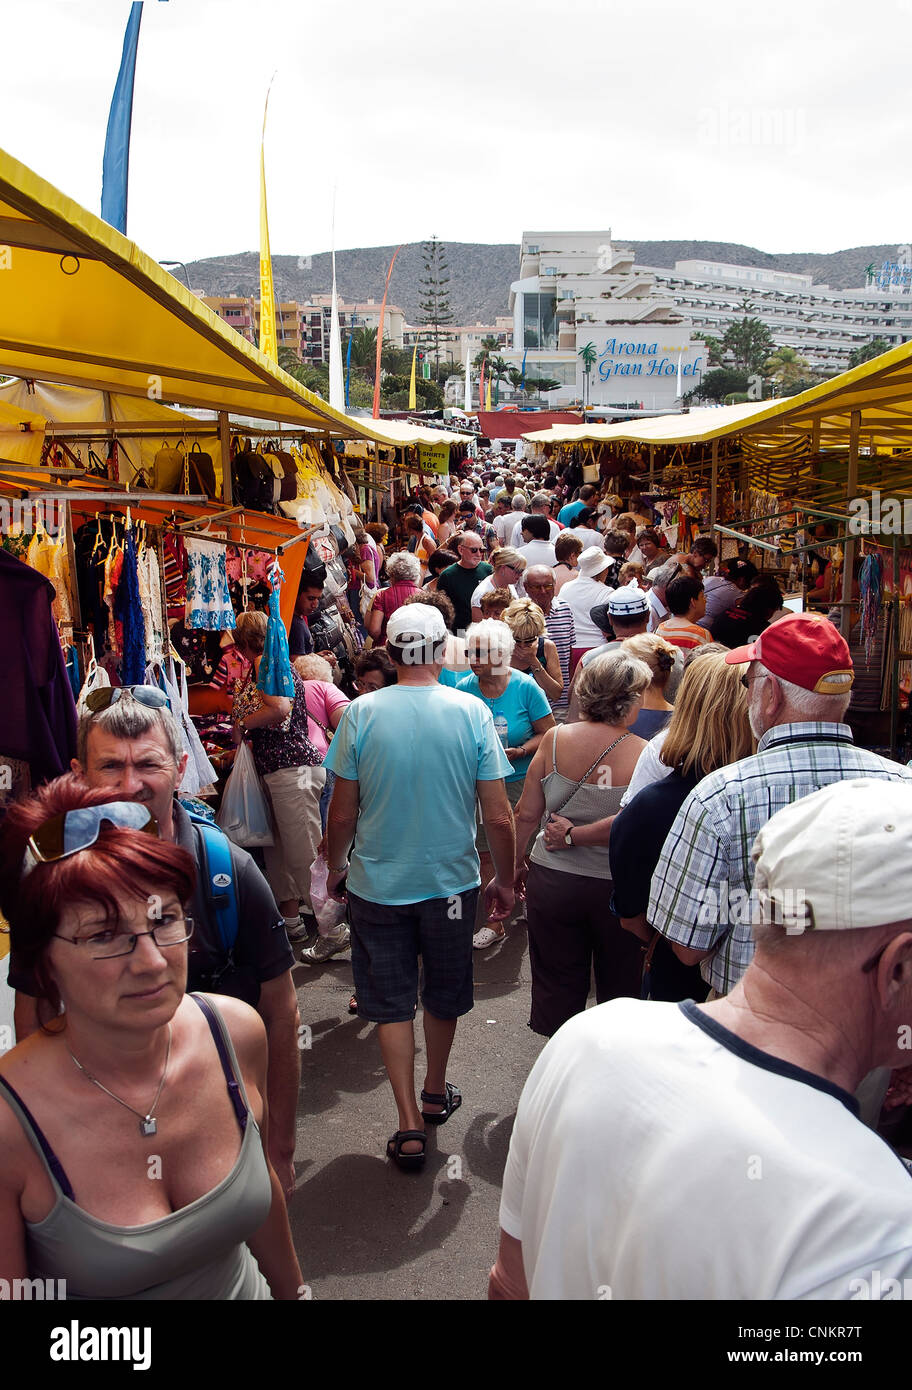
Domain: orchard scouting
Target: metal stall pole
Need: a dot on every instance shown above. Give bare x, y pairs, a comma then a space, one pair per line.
894, 694
225, 442
848, 563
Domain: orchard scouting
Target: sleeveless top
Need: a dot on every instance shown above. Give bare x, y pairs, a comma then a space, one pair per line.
588, 803
196, 1252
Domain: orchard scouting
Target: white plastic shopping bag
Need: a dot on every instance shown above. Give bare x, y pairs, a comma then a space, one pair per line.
244, 813
329, 913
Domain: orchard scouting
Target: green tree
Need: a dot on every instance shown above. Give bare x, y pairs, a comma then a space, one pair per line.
721, 382
713, 349
435, 305
750, 343
786, 369
866, 351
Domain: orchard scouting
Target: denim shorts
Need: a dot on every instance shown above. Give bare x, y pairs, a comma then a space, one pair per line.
386, 942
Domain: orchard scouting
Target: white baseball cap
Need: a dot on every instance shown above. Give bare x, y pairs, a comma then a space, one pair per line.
418, 618
842, 856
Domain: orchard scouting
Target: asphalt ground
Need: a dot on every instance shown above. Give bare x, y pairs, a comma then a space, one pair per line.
362, 1227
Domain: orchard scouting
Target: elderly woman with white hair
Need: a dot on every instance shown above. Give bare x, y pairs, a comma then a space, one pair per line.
522, 716
404, 571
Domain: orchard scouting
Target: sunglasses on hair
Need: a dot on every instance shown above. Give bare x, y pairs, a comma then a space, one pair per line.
148, 695
72, 831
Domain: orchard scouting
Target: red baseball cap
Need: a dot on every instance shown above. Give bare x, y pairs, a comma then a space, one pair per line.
804, 649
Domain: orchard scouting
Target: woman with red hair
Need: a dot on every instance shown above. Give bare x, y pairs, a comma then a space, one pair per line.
133, 1123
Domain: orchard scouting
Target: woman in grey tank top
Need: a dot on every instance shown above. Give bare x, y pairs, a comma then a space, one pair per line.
580, 771
132, 1123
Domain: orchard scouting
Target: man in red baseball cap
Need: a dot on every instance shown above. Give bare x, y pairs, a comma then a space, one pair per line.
798, 675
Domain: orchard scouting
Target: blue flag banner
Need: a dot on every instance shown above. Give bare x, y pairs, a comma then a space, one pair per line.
116, 167
348, 368
522, 383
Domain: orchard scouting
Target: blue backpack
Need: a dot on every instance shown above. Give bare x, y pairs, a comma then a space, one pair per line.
218, 873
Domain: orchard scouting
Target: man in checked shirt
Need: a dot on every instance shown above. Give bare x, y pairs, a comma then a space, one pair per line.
798, 677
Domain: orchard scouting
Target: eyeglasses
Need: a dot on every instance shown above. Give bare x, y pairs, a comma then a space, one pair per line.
526, 641
104, 945
746, 680
77, 830
148, 695
366, 686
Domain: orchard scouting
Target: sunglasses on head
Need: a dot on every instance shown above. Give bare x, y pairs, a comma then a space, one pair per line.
148, 695
73, 831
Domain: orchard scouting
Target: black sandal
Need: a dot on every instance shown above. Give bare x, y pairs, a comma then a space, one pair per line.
394, 1148
353, 1005
450, 1102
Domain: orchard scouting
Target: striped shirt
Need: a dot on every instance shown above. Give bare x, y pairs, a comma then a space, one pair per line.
700, 887
683, 634
560, 629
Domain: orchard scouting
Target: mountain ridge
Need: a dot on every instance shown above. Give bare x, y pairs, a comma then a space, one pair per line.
481, 272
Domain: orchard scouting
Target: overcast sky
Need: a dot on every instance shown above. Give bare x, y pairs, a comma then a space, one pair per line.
784, 124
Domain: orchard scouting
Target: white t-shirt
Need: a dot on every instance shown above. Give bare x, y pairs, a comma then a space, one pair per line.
538, 553
658, 612
586, 536
580, 595
503, 525
649, 768
516, 539
658, 1157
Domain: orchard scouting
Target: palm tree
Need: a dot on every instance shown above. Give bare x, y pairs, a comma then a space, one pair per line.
589, 356
786, 368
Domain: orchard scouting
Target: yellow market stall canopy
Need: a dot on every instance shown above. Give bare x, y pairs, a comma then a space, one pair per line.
81, 304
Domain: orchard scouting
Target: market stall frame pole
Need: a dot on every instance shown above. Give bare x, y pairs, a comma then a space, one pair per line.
714, 485
897, 653
225, 442
848, 562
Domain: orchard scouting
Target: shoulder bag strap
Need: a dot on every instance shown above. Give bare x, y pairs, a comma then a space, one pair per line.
586, 775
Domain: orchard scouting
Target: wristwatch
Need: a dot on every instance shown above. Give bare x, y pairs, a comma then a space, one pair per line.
568, 838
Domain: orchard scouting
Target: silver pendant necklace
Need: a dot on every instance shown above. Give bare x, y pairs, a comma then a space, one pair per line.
147, 1125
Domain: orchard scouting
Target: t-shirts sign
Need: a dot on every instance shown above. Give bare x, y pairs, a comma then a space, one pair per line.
434, 458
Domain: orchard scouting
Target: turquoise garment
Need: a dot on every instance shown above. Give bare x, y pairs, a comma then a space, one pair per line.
449, 678
520, 704
567, 515
416, 753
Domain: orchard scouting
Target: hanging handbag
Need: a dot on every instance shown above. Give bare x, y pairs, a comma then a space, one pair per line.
202, 471
167, 469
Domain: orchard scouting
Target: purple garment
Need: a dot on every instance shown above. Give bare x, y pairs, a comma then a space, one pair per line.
39, 712
128, 609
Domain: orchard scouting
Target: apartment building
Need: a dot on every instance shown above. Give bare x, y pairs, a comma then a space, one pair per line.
822, 325
578, 293
305, 327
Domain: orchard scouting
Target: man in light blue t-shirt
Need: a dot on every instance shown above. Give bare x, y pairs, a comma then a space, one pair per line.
409, 762
568, 513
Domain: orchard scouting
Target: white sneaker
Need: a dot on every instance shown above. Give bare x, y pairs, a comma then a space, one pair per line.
487, 937
326, 947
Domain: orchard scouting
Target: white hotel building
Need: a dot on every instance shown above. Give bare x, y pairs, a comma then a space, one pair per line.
577, 288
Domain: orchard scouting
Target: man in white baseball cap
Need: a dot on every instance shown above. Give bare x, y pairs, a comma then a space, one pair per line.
413, 877
751, 1177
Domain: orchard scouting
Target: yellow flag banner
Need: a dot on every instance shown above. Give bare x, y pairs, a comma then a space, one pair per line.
267, 293
488, 394
434, 458
413, 401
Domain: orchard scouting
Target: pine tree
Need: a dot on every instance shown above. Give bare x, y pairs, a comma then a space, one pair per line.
435, 306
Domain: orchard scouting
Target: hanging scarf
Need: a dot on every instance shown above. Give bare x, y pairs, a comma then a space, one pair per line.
870, 589
275, 667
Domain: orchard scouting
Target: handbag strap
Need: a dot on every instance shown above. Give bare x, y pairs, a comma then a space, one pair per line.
586, 775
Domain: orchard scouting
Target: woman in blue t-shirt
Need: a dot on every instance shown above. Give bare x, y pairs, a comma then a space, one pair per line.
522, 715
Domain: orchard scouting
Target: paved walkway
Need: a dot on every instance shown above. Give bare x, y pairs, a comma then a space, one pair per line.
362, 1228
